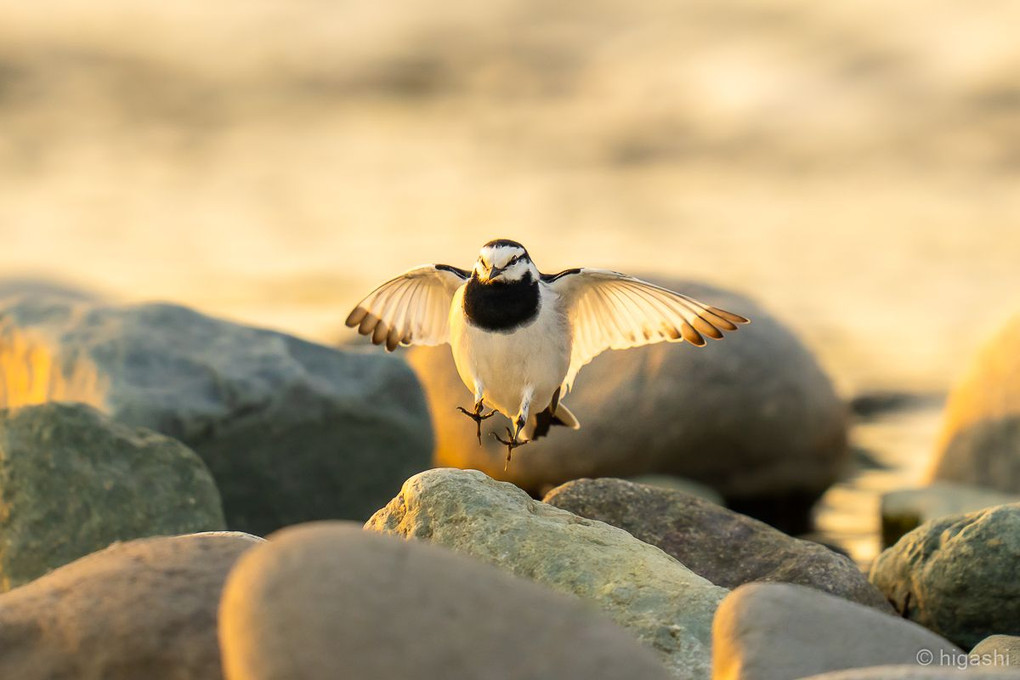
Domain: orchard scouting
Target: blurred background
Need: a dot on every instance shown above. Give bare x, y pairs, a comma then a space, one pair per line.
853, 167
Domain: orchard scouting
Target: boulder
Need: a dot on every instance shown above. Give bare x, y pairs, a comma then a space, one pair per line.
327, 596
291, 430
143, 609
752, 416
998, 650
906, 509
44, 287
957, 575
980, 440
72, 482
778, 631
725, 547
678, 484
642, 588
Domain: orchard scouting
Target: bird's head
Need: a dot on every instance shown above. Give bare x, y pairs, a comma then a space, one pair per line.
504, 261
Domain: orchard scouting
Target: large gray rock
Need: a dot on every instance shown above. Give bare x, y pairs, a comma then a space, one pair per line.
680, 484
919, 673
144, 609
640, 587
906, 509
980, 440
328, 600
957, 575
32, 285
779, 631
752, 415
73, 482
727, 548
290, 430
999, 650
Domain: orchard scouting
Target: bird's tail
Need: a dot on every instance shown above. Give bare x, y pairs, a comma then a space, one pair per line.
539, 424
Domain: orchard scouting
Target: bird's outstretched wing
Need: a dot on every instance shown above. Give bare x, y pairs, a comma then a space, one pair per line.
412, 309
609, 310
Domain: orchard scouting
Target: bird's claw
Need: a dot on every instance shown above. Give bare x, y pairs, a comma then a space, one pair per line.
477, 416
510, 443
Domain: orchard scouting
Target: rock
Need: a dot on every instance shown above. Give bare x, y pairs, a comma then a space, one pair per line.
725, 547
291, 430
73, 482
752, 416
44, 287
379, 607
957, 575
144, 609
918, 673
640, 587
998, 650
981, 431
906, 509
679, 484
778, 631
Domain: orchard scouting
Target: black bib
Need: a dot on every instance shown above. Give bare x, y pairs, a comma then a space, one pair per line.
499, 306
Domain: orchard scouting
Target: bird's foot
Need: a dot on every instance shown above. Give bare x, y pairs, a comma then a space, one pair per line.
510, 443
477, 416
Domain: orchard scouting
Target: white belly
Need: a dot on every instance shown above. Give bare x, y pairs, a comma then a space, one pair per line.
530, 359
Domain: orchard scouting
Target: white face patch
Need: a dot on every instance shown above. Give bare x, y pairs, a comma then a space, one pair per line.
516, 271
503, 263
499, 256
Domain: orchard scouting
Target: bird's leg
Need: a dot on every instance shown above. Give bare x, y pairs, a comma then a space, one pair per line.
476, 415
510, 443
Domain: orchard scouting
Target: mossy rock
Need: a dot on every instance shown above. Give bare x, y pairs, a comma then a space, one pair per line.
72, 482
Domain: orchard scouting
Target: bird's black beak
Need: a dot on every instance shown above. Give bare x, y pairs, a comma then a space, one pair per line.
491, 274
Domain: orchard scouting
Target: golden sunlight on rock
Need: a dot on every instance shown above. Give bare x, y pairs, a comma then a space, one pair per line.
32, 372
981, 429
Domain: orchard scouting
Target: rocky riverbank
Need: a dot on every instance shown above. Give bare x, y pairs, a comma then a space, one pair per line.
146, 450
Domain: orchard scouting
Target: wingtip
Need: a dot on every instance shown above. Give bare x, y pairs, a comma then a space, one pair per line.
355, 317
379, 333
729, 316
690, 335
368, 325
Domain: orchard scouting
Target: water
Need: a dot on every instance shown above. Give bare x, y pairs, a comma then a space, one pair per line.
895, 450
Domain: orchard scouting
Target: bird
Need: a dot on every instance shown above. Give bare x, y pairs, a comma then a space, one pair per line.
519, 337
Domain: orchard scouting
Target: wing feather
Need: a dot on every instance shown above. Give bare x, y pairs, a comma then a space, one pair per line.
411, 309
397, 329
609, 310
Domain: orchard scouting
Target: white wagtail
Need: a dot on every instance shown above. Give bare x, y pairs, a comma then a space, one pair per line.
519, 337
